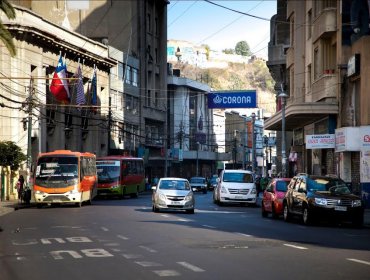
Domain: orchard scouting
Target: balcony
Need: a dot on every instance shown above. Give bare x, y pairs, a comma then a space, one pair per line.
276, 54
325, 24
325, 87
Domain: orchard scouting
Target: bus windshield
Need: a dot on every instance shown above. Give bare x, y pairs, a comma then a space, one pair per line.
108, 171
56, 172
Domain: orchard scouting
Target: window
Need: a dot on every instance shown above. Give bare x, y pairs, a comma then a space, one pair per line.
120, 71
135, 77
128, 75
292, 30
317, 69
156, 99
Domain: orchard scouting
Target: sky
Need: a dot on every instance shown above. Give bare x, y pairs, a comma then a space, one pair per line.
200, 22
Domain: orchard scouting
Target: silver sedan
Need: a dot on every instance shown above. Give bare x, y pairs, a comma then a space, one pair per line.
173, 194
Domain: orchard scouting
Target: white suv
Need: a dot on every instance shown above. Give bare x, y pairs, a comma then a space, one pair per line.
235, 186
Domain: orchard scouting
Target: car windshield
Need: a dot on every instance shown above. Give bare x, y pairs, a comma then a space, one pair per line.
332, 185
173, 185
281, 186
238, 177
213, 180
198, 180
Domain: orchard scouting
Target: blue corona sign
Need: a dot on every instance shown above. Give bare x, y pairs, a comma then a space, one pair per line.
232, 99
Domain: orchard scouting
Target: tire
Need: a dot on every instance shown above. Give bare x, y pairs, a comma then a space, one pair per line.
287, 214
306, 216
263, 211
191, 211
273, 212
358, 222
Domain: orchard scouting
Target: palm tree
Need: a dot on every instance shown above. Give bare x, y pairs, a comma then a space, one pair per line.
5, 35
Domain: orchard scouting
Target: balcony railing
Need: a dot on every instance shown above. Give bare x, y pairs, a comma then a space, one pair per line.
324, 87
325, 24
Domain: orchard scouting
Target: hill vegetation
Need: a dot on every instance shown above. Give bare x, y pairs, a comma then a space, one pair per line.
237, 76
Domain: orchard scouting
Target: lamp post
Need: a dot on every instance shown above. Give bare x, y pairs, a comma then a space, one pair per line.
266, 143
197, 166
283, 97
253, 143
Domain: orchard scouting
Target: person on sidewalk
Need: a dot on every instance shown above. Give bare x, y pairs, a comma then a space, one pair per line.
20, 185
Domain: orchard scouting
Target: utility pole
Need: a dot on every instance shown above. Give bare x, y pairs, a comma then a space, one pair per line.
29, 138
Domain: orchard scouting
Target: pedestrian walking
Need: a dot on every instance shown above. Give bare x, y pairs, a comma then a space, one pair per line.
20, 185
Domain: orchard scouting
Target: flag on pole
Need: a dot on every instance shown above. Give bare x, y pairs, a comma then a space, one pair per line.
80, 96
93, 91
59, 84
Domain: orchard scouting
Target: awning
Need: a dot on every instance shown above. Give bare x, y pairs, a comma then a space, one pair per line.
301, 114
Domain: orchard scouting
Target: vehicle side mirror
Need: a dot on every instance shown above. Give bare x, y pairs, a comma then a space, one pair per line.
154, 188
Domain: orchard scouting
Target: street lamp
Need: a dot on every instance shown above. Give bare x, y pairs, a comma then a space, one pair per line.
253, 143
197, 166
283, 96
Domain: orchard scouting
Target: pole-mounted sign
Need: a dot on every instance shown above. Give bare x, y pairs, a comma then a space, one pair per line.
232, 99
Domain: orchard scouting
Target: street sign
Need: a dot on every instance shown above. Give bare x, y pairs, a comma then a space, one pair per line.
232, 99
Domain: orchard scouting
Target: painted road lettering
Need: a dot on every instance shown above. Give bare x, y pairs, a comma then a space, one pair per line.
78, 239
91, 253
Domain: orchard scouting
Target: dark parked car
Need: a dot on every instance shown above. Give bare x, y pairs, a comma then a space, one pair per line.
198, 184
212, 183
315, 198
273, 197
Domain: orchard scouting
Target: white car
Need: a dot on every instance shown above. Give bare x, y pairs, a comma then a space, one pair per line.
173, 194
235, 186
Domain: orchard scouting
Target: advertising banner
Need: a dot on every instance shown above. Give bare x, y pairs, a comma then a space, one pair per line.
232, 99
320, 141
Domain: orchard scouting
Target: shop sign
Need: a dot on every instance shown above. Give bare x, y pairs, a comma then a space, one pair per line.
346, 140
365, 137
320, 141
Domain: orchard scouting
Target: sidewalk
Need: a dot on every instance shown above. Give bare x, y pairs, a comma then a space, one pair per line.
9, 206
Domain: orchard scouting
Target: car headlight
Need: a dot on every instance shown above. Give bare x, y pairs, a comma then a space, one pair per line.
321, 201
189, 197
356, 203
39, 192
223, 189
254, 191
162, 197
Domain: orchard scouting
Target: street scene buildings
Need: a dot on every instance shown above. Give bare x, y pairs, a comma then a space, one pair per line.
142, 107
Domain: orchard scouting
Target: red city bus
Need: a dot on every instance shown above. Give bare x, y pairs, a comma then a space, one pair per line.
120, 176
64, 176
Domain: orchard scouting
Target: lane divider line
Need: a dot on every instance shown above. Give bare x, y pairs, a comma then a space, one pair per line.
296, 247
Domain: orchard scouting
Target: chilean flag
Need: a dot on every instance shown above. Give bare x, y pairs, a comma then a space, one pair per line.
59, 84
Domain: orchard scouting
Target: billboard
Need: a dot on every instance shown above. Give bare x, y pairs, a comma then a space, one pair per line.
232, 99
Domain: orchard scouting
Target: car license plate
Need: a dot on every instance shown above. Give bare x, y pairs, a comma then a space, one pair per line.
176, 203
57, 200
340, 208
239, 197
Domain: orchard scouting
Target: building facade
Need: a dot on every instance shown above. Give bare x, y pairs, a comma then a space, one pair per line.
328, 95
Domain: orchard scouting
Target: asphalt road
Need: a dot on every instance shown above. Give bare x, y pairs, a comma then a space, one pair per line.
124, 239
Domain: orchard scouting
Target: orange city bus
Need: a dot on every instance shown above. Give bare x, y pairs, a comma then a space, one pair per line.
64, 176
120, 176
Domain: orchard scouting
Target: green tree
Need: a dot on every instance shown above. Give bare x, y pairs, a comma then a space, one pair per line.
242, 48
5, 35
11, 155
228, 51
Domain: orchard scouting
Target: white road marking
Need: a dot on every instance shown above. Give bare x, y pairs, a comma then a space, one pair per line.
295, 246
207, 226
244, 234
164, 215
148, 249
191, 267
30, 242
104, 229
122, 237
131, 256
359, 261
148, 264
111, 244
166, 273
183, 220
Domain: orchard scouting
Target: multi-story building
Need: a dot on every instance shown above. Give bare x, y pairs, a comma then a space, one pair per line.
324, 74
194, 147
31, 116
138, 30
